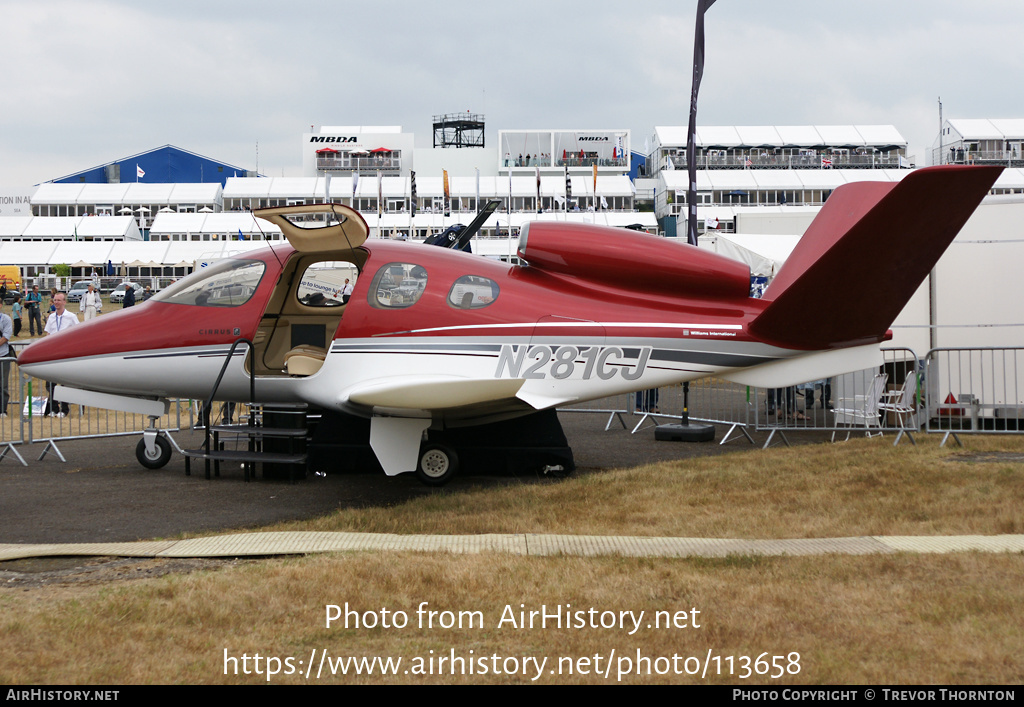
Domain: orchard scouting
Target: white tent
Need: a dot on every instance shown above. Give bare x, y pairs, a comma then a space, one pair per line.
764, 254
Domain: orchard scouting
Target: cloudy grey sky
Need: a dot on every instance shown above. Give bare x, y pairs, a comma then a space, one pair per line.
89, 81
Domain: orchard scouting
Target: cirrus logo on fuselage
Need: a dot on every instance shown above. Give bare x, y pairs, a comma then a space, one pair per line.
562, 362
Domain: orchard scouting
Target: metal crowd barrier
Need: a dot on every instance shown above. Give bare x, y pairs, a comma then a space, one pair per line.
709, 400
974, 391
871, 401
957, 391
29, 418
615, 407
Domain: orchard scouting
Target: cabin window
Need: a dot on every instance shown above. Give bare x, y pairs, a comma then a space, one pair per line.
227, 283
397, 285
472, 292
323, 284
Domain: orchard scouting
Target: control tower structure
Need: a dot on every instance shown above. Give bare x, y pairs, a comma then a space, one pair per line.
459, 130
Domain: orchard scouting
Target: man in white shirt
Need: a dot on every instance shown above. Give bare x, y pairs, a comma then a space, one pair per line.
91, 303
60, 319
346, 292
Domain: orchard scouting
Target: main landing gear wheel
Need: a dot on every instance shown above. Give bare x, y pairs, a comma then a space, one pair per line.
159, 457
438, 464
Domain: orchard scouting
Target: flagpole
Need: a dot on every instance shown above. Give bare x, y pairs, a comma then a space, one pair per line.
691, 140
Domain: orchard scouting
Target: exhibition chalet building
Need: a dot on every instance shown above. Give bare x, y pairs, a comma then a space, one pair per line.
593, 176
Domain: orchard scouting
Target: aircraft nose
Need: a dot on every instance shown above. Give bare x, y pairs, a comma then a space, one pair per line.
107, 334
89, 355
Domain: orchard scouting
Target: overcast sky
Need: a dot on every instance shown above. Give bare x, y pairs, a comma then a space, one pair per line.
87, 82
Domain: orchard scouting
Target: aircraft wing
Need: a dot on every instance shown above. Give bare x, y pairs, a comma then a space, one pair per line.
403, 405
421, 392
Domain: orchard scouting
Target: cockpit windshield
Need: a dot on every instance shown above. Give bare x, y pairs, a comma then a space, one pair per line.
228, 283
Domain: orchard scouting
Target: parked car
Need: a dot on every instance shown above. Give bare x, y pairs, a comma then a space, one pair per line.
11, 293
117, 296
78, 290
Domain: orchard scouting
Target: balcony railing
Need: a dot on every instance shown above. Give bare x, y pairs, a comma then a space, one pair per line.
814, 161
360, 164
566, 162
1009, 158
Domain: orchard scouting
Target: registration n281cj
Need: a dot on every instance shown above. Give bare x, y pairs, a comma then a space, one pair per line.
581, 362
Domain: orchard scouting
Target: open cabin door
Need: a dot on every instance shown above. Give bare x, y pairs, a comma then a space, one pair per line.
318, 228
308, 302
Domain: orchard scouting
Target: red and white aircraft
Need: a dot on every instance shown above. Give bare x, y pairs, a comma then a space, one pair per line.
439, 338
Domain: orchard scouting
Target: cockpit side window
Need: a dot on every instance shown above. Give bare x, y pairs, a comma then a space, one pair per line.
228, 283
397, 285
325, 284
472, 292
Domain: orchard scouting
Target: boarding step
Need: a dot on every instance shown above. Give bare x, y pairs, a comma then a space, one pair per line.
241, 456
244, 430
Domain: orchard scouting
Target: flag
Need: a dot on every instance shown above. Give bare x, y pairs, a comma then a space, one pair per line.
748, 163
139, 174
241, 236
380, 194
568, 188
826, 163
76, 232
691, 139
595, 179
537, 170
447, 195
327, 188
604, 203
355, 186
412, 191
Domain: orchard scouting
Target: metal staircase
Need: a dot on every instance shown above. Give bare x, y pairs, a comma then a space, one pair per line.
257, 435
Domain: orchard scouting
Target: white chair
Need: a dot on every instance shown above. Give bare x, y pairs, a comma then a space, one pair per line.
901, 403
862, 409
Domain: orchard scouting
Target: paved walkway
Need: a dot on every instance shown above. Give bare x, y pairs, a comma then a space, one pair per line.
301, 543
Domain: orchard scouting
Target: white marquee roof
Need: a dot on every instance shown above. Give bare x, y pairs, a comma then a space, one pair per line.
26, 253
97, 194
989, 129
782, 135
12, 226
50, 193
223, 222
68, 252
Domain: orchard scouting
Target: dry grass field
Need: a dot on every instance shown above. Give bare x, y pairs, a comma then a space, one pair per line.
862, 487
947, 619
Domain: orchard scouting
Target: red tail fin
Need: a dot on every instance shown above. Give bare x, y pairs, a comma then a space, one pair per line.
865, 254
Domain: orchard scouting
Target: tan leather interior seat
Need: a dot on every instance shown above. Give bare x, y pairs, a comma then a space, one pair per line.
304, 360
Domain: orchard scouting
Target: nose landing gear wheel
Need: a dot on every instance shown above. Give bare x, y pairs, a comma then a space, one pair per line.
438, 464
159, 457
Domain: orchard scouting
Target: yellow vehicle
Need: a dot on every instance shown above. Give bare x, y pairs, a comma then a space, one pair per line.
12, 275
